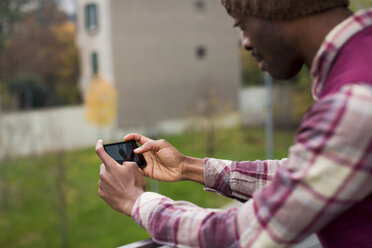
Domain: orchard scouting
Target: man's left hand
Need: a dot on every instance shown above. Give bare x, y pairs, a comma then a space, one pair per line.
119, 185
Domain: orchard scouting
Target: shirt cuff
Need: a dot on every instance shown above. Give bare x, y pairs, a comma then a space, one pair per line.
144, 206
217, 176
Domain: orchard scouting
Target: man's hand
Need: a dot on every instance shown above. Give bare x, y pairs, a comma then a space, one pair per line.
119, 185
166, 163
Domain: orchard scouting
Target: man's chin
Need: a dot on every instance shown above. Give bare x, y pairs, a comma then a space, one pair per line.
283, 74
280, 76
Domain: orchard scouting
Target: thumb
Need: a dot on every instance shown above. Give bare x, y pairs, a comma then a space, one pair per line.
102, 154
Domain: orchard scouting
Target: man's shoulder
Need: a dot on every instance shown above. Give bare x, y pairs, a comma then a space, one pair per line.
352, 64
344, 55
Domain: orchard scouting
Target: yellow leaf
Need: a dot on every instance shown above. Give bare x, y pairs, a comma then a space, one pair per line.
101, 102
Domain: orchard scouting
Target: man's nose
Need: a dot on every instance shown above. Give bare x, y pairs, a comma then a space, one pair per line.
246, 42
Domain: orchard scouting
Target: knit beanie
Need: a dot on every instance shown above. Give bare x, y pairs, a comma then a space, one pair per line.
281, 9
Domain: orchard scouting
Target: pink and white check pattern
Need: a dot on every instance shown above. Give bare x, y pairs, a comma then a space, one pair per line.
328, 171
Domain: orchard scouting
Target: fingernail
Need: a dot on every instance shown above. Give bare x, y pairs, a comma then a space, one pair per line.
136, 150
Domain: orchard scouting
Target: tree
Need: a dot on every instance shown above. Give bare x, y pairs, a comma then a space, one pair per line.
29, 91
251, 75
360, 4
302, 97
68, 71
52, 55
10, 14
208, 114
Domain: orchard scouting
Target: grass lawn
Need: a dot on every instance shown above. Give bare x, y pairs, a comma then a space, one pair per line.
30, 217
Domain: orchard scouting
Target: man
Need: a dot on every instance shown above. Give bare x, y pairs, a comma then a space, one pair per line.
325, 185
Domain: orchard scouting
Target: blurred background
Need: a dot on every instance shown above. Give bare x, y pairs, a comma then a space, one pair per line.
74, 71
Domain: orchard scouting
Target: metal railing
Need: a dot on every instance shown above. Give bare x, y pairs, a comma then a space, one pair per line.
311, 242
147, 243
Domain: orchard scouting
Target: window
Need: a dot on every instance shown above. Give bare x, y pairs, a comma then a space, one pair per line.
91, 17
95, 65
199, 5
201, 52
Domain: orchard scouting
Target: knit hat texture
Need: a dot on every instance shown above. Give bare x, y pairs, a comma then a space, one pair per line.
281, 9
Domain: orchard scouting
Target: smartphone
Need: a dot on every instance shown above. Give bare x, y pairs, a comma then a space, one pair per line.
123, 151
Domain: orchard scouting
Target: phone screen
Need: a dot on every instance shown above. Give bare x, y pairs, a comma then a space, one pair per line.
123, 151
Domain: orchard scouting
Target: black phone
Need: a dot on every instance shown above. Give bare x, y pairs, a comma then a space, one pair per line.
123, 151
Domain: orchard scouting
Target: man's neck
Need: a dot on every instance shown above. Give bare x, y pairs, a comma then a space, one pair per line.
310, 32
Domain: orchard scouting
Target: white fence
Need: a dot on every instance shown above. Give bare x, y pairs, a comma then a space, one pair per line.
37, 132
252, 105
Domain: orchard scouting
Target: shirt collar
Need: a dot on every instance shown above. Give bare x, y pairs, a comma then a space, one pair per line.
332, 44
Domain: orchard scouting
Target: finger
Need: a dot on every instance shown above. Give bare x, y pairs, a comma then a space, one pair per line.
142, 172
101, 193
130, 164
101, 169
137, 137
106, 159
154, 146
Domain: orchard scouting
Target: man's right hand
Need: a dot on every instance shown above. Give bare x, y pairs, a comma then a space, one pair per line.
166, 163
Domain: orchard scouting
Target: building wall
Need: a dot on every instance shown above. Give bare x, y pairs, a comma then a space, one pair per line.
156, 69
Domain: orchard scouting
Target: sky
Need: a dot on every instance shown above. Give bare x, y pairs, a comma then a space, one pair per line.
68, 5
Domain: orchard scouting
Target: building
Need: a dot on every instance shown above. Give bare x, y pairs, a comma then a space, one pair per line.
162, 56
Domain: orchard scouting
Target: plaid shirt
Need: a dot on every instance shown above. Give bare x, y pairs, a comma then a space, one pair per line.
327, 174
